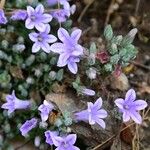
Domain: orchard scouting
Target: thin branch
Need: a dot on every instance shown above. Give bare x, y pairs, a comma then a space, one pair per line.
9, 12
140, 65
84, 10
22, 145
109, 12
137, 7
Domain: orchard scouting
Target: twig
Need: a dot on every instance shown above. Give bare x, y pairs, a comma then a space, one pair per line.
84, 10
109, 12
137, 7
109, 139
19, 147
11, 11
140, 65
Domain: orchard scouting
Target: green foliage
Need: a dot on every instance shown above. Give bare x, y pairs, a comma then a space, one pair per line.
120, 49
108, 33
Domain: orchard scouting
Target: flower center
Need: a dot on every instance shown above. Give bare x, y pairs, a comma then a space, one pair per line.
126, 107
65, 145
40, 39
33, 17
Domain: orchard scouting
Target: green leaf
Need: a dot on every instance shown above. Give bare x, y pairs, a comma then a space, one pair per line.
93, 48
114, 59
113, 49
108, 32
108, 67
59, 75
117, 39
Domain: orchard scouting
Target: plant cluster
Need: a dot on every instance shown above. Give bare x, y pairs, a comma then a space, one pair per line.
39, 49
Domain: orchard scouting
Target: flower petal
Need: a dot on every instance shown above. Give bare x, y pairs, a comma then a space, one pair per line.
29, 24
130, 95
72, 66
82, 115
47, 28
119, 102
78, 50
98, 103
51, 39
136, 117
102, 113
35, 48
101, 123
40, 27
39, 9
126, 116
71, 139
76, 34
30, 10
140, 104
88, 92
45, 46
46, 18
91, 120
63, 60
57, 47
57, 140
63, 35
33, 37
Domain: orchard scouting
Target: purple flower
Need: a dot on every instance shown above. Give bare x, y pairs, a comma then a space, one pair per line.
94, 114
49, 135
3, 19
60, 15
28, 125
88, 92
130, 106
45, 109
42, 40
19, 15
37, 18
65, 143
69, 50
54, 2
14, 103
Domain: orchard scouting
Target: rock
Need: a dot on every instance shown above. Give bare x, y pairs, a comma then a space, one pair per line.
121, 83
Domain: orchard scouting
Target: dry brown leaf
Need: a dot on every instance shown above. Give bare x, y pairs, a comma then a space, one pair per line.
120, 82
145, 89
127, 134
16, 72
57, 88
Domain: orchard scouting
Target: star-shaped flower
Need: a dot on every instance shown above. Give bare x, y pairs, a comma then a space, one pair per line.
130, 106
65, 143
28, 125
45, 109
37, 18
14, 103
42, 40
93, 114
69, 50
49, 135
